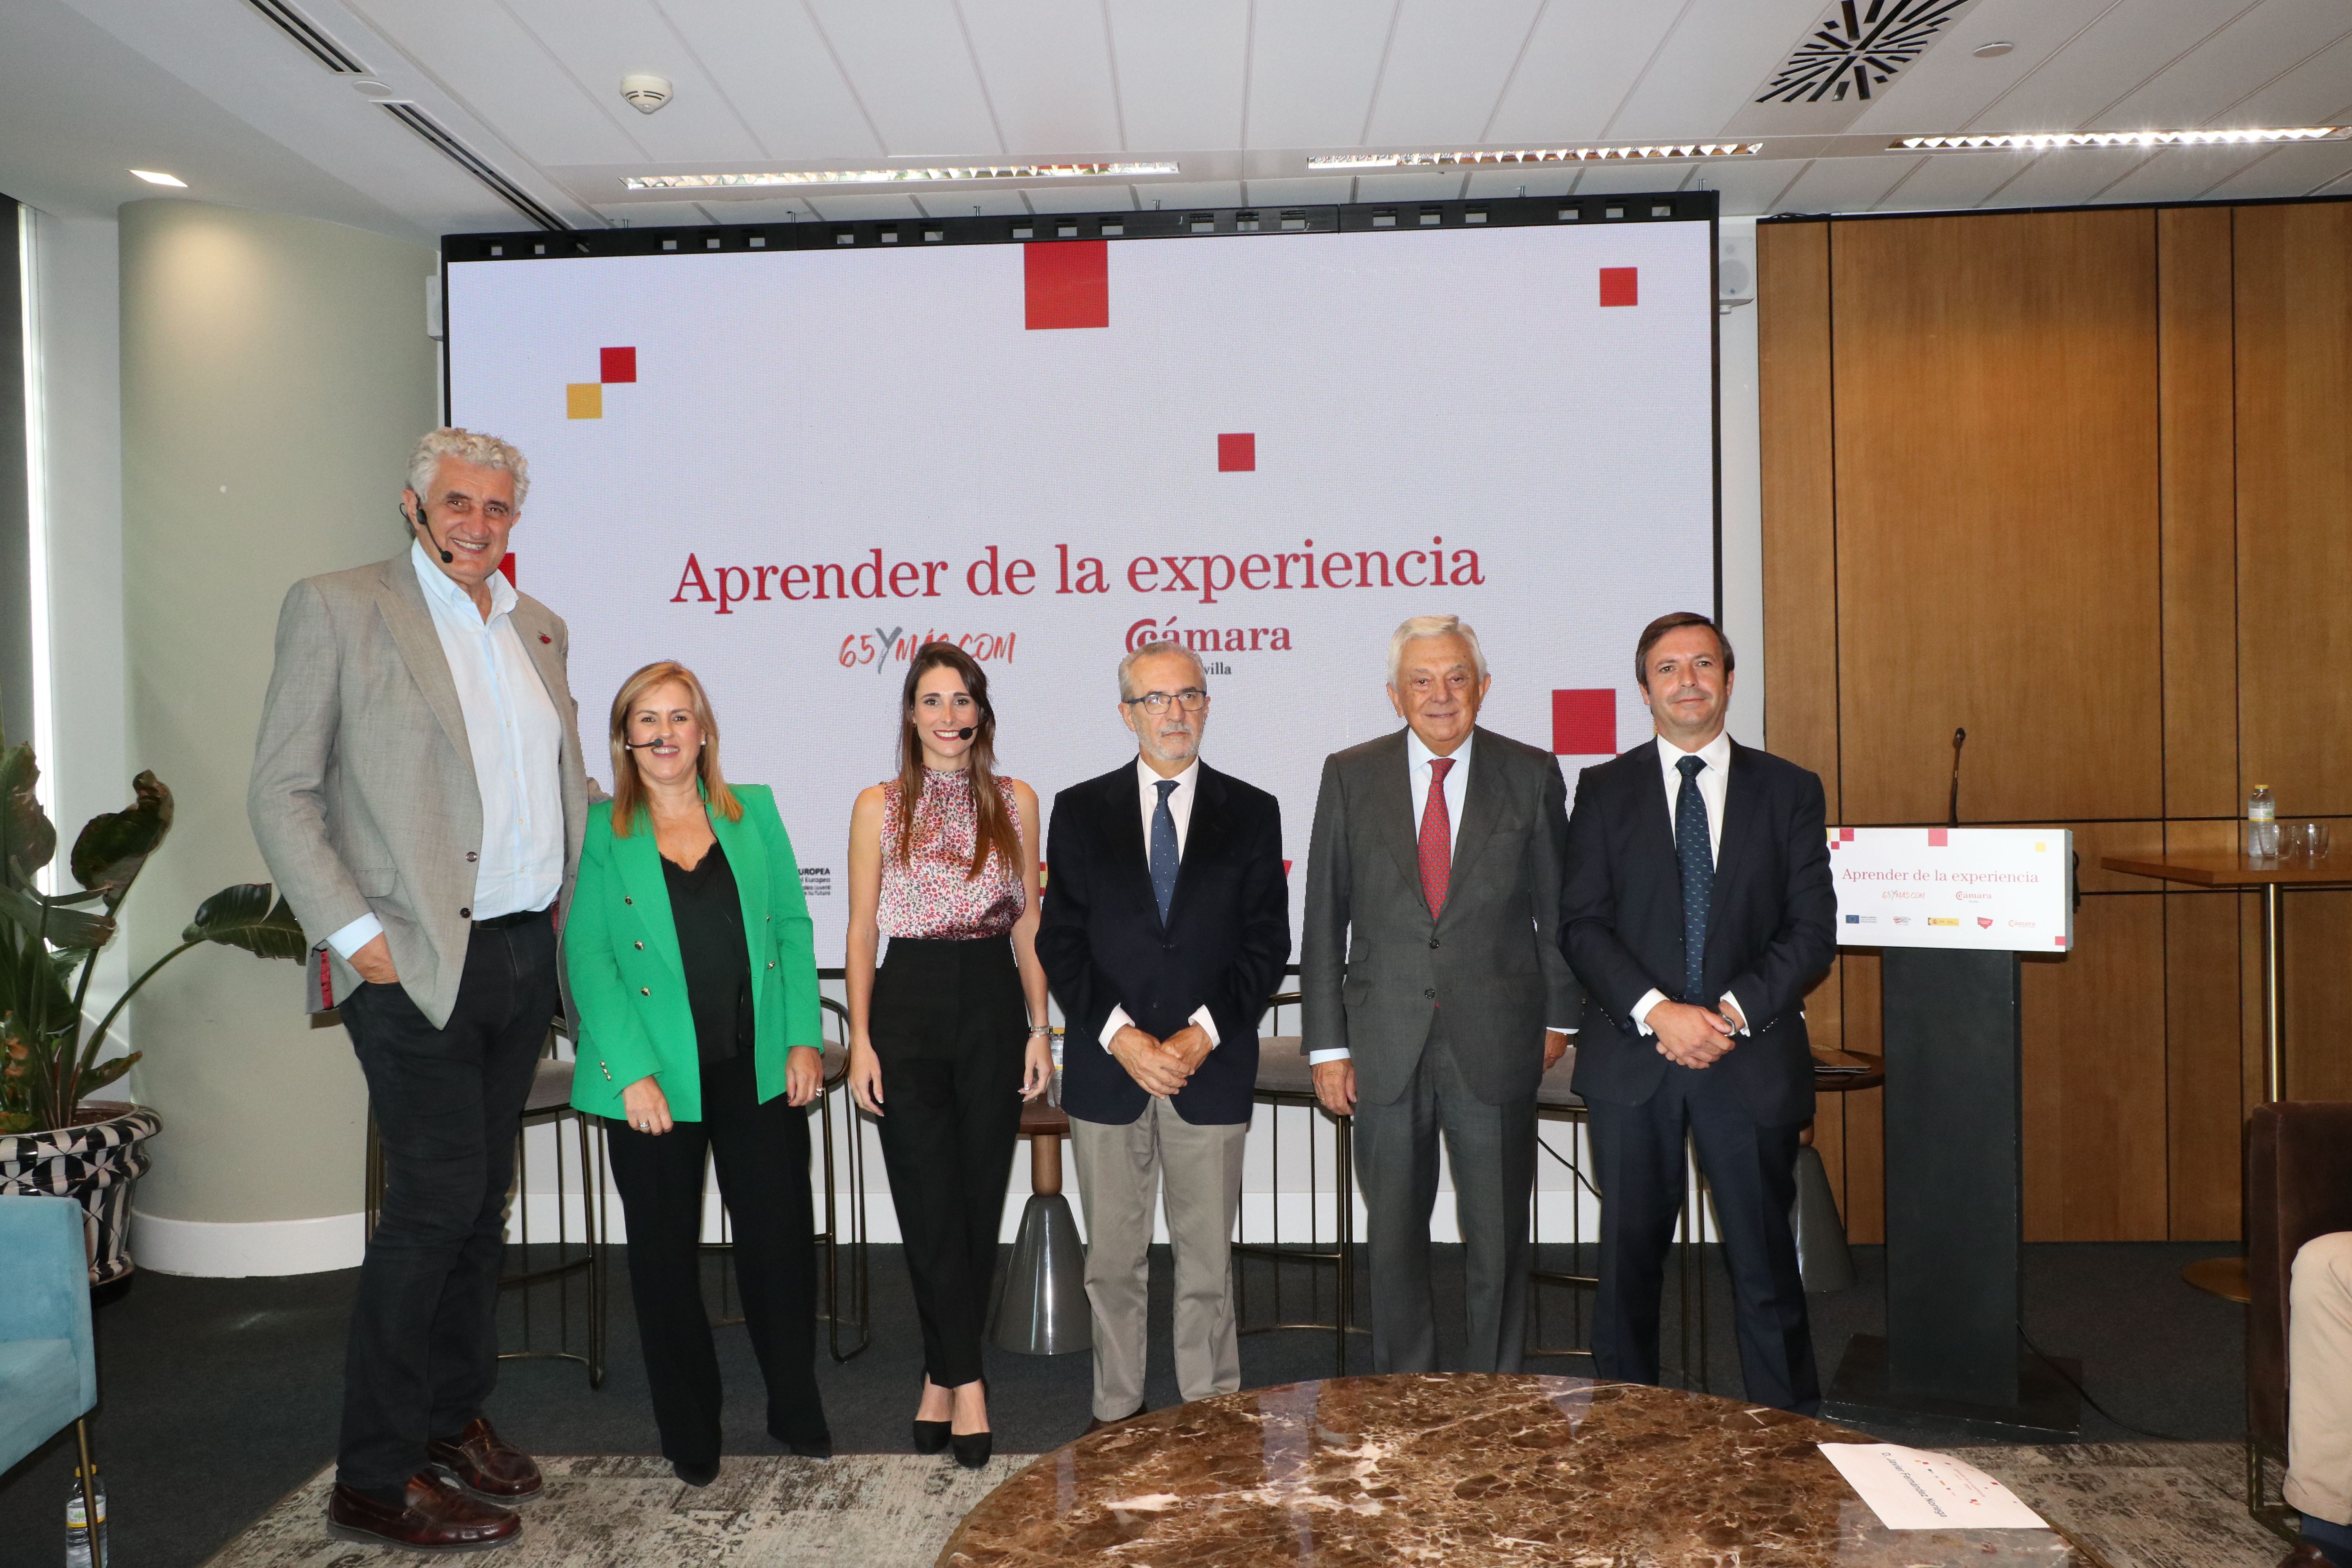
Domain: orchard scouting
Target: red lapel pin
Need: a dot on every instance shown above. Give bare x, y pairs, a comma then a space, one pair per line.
544, 637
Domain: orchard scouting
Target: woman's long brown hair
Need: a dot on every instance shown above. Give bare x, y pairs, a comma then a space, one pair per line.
996, 832
628, 789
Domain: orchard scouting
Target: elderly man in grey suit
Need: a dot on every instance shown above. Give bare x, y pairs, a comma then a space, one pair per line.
418, 793
1429, 970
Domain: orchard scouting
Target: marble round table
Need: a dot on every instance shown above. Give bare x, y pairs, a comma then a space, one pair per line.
1457, 1470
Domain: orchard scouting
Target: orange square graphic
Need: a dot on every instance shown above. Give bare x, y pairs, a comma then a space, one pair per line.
584, 400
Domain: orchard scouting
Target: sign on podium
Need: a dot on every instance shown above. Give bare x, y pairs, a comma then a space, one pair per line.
2003, 888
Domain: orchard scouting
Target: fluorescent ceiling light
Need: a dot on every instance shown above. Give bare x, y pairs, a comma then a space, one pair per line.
157, 177
1658, 152
2044, 140
889, 176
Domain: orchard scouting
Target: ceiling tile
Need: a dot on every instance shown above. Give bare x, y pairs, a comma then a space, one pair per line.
989, 201
1432, 185
597, 42
2315, 168
1318, 190
1175, 195
2264, 43
484, 56
1578, 69
2181, 173
1950, 182
1447, 67
2318, 91
1844, 185
1087, 198
1633, 179
2131, 42
789, 210
907, 64
1750, 186
832, 208
2065, 178
1312, 66
1949, 86
655, 215
1179, 71
1543, 180
1048, 67
1710, 66
775, 69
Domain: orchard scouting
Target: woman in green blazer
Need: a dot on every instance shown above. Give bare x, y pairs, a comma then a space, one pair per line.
693, 967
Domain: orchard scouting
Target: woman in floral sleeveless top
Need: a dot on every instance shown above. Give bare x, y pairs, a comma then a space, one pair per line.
949, 1036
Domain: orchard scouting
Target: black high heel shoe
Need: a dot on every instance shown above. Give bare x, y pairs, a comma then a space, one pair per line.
930, 1437
972, 1449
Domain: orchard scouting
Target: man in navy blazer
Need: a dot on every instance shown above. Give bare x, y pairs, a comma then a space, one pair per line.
1166, 926
1697, 908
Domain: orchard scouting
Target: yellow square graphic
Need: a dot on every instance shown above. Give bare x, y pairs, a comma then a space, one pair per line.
584, 400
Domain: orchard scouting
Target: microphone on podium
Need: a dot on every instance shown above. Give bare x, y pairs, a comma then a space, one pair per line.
1959, 739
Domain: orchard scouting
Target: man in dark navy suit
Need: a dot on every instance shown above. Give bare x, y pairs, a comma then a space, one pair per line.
1697, 908
1166, 926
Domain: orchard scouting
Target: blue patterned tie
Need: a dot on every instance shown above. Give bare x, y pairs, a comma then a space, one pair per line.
1163, 848
1697, 859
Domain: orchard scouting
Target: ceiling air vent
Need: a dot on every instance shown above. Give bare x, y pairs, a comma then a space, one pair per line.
303, 31
1845, 62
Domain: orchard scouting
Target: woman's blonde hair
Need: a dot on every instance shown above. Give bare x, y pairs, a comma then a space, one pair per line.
628, 790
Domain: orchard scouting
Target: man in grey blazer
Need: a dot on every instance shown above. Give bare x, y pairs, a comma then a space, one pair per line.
1435, 992
418, 794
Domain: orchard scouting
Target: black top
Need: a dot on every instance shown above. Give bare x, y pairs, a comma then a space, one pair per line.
709, 916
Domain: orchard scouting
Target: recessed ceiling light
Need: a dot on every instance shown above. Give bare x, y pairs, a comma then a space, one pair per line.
2043, 142
889, 176
1998, 47
157, 177
1653, 152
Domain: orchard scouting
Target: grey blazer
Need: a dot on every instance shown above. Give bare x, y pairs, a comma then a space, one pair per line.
1492, 961
364, 796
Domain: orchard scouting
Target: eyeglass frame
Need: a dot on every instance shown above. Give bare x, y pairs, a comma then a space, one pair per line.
1166, 698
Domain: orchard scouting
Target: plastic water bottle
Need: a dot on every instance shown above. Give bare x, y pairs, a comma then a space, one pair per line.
2262, 825
77, 1526
1054, 1084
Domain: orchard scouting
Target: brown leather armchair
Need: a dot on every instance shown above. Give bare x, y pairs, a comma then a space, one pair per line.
2298, 1185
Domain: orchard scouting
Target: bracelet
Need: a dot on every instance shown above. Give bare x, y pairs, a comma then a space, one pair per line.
1041, 1028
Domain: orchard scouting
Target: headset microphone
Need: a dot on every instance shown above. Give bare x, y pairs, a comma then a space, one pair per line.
965, 733
419, 521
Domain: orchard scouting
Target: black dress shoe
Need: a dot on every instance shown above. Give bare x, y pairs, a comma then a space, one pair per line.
695, 1474
971, 1448
1096, 1424
930, 1437
811, 1447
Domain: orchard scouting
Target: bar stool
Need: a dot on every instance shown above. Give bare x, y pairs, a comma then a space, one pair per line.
548, 1101
833, 1105
1042, 1308
1285, 1081
1822, 1261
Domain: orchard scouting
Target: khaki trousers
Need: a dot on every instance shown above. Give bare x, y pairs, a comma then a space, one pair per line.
2319, 1380
1197, 1174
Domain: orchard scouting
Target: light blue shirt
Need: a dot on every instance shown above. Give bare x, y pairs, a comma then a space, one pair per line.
517, 740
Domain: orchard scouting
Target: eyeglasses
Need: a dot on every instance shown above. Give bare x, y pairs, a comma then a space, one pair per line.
1191, 699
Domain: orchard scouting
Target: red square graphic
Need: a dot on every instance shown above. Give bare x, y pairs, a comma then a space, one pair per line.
619, 364
1621, 286
1068, 284
1237, 454
1940, 839
1584, 723
506, 564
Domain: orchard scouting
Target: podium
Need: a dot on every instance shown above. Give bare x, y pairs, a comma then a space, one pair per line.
1953, 909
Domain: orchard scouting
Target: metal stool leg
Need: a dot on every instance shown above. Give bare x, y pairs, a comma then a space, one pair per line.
1044, 1310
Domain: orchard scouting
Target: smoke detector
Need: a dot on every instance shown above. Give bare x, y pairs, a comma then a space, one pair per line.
644, 92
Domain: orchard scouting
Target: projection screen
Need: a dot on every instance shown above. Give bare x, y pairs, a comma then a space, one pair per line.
1050, 439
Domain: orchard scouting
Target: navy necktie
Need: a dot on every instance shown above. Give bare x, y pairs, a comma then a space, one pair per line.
1697, 858
1163, 848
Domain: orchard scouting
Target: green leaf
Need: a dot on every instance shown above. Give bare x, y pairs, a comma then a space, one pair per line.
114, 847
75, 929
242, 916
28, 841
104, 1073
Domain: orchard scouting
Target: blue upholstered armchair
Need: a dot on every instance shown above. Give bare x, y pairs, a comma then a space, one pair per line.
48, 1367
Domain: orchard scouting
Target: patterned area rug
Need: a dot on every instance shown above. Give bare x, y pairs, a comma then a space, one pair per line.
2155, 1505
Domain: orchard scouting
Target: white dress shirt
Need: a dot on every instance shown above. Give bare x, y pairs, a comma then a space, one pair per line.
1418, 773
1179, 806
512, 729
1712, 782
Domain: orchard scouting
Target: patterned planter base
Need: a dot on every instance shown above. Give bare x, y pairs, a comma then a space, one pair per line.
92, 1163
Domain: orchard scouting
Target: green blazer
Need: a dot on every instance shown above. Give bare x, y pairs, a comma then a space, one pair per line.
628, 982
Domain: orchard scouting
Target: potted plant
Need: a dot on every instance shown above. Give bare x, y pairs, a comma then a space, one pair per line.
54, 1139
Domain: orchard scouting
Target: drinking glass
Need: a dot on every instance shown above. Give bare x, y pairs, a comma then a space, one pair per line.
2316, 837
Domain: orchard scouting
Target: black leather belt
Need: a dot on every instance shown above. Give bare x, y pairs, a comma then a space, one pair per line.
521, 917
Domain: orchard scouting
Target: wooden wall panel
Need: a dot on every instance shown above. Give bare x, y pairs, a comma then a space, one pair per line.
2205, 1107
2316, 938
2094, 1079
1997, 501
2295, 501
1798, 405
2196, 341
1864, 1113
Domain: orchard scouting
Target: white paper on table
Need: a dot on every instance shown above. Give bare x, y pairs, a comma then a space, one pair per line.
1909, 1489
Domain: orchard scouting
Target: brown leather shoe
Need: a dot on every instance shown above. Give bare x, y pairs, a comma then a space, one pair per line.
438, 1517
485, 1464
2305, 1555
1096, 1424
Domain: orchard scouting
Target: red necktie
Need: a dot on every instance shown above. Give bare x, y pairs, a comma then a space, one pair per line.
1436, 838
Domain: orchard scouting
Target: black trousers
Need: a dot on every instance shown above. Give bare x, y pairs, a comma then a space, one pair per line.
1751, 1170
424, 1344
950, 1026
763, 1157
